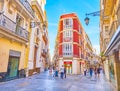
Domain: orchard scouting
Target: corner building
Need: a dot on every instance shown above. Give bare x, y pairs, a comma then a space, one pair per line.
71, 43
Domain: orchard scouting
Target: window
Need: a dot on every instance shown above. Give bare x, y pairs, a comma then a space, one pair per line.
80, 42
106, 28
37, 31
67, 49
19, 20
67, 36
67, 23
80, 30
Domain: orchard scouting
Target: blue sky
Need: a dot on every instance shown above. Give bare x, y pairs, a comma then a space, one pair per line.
55, 8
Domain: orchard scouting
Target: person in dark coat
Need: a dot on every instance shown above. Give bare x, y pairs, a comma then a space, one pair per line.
65, 71
91, 71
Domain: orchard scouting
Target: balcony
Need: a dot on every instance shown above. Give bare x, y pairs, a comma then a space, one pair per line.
106, 35
68, 26
44, 36
67, 39
67, 54
108, 6
25, 6
39, 7
44, 53
8, 28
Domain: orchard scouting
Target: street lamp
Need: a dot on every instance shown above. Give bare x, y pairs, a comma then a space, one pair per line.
86, 20
97, 13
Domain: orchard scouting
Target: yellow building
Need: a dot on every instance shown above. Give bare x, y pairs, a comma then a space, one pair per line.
24, 44
109, 39
88, 52
14, 38
56, 53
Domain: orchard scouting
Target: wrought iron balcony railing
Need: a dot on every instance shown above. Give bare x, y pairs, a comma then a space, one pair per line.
28, 7
11, 26
44, 53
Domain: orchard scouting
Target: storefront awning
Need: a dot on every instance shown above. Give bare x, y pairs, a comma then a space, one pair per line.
114, 42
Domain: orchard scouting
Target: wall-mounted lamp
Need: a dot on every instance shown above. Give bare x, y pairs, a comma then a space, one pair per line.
97, 13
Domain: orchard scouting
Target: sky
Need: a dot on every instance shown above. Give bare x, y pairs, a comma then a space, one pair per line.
55, 8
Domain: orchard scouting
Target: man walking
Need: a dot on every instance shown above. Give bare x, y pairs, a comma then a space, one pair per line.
62, 72
65, 71
85, 71
98, 72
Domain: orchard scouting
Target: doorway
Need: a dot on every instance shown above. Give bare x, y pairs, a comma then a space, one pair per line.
13, 64
35, 57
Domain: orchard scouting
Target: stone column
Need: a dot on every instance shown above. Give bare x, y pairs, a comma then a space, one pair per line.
31, 51
61, 62
74, 66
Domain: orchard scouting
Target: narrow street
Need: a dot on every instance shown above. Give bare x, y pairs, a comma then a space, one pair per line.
45, 82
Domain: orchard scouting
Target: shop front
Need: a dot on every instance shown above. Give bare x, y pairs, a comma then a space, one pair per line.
111, 69
68, 65
113, 54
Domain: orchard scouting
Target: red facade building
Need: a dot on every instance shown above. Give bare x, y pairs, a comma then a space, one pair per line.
71, 43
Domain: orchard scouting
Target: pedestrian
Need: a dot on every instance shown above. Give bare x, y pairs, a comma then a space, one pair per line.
65, 71
85, 71
98, 72
50, 70
91, 71
62, 72
95, 72
56, 71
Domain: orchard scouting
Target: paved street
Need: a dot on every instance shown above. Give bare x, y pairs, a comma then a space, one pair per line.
45, 82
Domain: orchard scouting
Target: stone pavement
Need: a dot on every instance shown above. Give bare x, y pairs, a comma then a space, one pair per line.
92, 84
45, 82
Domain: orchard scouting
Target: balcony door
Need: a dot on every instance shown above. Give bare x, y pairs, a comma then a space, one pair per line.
19, 23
